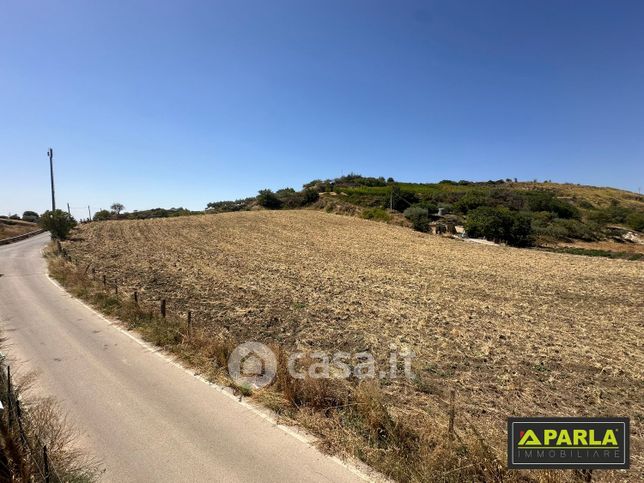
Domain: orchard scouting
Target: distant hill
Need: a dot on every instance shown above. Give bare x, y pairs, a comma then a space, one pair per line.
544, 212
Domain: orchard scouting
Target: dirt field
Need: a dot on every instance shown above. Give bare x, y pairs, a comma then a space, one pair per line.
515, 332
11, 229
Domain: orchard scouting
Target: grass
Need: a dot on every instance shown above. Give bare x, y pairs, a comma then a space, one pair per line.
482, 320
39, 422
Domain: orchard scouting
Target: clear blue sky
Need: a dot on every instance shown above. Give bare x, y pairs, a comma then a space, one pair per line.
156, 103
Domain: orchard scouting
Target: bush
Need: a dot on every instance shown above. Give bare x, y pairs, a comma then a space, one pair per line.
268, 199
613, 214
419, 217
546, 201
500, 224
559, 229
58, 222
102, 215
636, 221
470, 201
377, 214
31, 216
400, 200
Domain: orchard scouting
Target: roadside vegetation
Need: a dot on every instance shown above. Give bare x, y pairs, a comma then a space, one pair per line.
492, 324
37, 442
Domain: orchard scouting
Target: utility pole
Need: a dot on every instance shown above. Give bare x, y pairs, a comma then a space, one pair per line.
50, 153
69, 212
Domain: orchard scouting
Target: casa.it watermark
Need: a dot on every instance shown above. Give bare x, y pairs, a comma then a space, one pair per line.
254, 364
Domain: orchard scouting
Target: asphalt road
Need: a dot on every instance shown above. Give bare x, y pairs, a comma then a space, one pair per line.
145, 417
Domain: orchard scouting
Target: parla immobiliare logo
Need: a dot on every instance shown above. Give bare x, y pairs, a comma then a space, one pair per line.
574, 443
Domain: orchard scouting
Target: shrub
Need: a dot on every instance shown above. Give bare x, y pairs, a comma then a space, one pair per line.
31, 216
268, 199
470, 201
500, 224
419, 217
401, 200
559, 229
377, 214
102, 215
546, 201
58, 222
636, 221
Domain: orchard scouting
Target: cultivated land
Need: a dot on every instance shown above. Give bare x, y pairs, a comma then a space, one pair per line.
514, 332
11, 228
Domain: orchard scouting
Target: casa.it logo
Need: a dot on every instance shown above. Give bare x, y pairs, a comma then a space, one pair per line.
576, 443
252, 365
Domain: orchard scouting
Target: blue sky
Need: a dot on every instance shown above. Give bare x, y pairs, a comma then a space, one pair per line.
155, 103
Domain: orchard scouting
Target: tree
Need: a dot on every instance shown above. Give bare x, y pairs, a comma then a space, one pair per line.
500, 224
31, 216
102, 215
117, 208
268, 199
58, 222
419, 217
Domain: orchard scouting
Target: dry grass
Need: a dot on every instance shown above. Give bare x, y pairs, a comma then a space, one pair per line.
11, 229
515, 332
36, 422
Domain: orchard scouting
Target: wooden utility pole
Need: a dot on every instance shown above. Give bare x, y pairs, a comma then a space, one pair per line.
50, 153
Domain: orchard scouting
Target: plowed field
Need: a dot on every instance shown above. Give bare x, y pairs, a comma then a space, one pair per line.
515, 332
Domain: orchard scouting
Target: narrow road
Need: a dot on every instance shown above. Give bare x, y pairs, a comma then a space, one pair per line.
146, 418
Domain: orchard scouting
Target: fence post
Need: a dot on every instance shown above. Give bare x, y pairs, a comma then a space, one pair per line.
189, 324
452, 397
104, 281
116, 287
9, 398
45, 459
136, 297
163, 308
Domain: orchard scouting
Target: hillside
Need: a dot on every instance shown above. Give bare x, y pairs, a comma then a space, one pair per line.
521, 214
514, 332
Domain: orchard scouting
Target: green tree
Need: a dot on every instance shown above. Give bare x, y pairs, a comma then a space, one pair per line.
268, 199
117, 208
419, 217
31, 216
58, 222
500, 225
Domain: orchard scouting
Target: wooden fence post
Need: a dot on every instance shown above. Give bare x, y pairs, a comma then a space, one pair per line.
136, 297
452, 397
45, 459
163, 308
9, 398
104, 281
189, 324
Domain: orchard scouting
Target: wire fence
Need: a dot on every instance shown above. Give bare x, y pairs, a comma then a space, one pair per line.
23, 456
